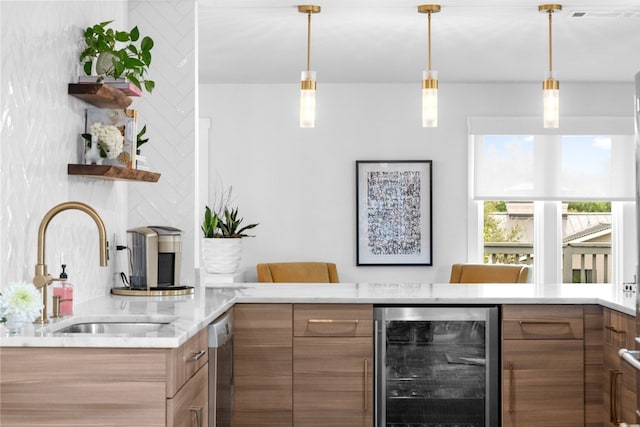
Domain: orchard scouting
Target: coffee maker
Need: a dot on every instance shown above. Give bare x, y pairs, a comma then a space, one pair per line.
155, 257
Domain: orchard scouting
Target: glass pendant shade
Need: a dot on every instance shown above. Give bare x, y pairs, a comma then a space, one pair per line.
308, 99
551, 99
429, 99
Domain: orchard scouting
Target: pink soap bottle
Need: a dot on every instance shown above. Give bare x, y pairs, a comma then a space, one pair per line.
64, 290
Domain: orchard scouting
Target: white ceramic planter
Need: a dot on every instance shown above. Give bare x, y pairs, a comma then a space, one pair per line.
104, 64
221, 256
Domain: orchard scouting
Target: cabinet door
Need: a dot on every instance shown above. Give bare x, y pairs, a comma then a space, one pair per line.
333, 381
619, 378
189, 408
593, 366
543, 366
82, 387
262, 365
543, 383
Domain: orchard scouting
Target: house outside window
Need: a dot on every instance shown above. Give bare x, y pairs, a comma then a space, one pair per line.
563, 203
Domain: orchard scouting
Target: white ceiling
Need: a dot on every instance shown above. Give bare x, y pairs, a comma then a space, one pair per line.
264, 41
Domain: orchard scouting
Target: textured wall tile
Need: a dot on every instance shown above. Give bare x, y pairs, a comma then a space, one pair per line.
40, 127
170, 114
39, 135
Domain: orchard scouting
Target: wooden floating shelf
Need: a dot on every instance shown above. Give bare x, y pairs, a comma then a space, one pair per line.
100, 95
112, 172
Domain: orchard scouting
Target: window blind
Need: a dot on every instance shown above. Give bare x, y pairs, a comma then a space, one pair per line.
515, 159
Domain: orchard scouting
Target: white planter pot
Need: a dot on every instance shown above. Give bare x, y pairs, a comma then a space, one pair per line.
221, 256
104, 64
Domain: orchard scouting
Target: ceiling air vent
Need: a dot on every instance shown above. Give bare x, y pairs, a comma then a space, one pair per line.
611, 14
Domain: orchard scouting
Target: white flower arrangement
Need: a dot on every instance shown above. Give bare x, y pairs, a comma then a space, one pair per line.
109, 138
21, 300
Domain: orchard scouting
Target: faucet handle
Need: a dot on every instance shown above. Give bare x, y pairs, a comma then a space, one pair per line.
41, 281
41, 278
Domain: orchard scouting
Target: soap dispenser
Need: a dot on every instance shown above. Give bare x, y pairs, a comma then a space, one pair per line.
64, 290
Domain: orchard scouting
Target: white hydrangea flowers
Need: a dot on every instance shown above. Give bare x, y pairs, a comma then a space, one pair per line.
109, 138
21, 299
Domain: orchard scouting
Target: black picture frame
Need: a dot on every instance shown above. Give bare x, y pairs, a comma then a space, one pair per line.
394, 213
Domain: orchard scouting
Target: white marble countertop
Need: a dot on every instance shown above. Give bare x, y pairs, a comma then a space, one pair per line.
189, 314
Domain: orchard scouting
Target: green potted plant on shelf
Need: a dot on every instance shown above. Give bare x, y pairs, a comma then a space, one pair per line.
222, 242
118, 54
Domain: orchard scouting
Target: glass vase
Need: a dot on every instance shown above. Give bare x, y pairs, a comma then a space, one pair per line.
15, 324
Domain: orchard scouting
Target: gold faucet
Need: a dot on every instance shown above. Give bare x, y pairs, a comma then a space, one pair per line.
42, 278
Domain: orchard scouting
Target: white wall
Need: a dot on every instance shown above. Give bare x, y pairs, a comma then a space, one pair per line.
300, 183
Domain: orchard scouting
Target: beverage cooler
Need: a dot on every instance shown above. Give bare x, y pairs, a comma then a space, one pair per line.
437, 366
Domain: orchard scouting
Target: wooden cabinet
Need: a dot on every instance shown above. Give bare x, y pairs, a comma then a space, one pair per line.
619, 378
103, 386
303, 365
333, 365
82, 387
543, 366
262, 365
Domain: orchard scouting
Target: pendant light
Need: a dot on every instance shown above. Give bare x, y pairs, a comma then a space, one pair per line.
429, 77
308, 79
551, 86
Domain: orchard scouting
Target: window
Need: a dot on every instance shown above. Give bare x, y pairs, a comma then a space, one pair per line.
507, 232
558, 202
586, 242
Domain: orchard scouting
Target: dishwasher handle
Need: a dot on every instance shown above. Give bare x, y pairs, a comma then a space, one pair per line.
220, 331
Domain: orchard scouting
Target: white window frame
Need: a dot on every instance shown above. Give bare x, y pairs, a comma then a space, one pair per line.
548, 225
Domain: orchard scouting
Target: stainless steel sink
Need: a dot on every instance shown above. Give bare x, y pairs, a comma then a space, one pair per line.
123, 326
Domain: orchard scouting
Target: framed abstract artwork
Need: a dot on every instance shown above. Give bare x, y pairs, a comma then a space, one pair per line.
393, 200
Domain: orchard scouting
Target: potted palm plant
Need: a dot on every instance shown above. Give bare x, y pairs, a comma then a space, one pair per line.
222, 242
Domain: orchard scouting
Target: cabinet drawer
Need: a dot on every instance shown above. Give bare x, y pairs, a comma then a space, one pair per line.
186, 360
266, 325
541, 322
190, 406
323, 320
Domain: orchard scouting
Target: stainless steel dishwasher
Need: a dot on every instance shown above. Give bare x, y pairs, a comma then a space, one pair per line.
221, 371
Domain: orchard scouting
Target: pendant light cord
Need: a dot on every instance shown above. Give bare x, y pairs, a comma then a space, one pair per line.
308, 41
429, 40
550, 43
